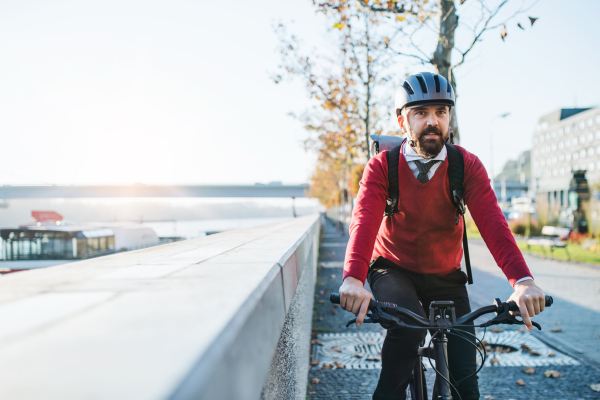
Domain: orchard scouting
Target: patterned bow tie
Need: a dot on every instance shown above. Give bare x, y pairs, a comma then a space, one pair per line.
424, 169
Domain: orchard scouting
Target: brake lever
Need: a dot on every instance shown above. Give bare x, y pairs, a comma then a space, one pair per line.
507, 318
377, 316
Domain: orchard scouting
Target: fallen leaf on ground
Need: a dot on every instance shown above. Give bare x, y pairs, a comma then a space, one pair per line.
326, 366
595, 387
336, 305
336, 348
488, 397
522, 330
335, 356
312, 392
324, 291
551, 354
494, 360
556, 330
528, 370
321, 301
552, 374
534, 353
333, 312
521, 382
316, 341
316, 362
314, 380
371, 341
358, 355
319, 318
332, 276
339, 364
497, 330
374, 358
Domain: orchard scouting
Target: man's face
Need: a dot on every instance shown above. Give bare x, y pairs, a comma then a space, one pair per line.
427, 126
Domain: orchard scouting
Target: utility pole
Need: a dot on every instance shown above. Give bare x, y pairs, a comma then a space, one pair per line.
492, 147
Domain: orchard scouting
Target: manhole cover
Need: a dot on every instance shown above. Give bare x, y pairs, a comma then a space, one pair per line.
529, 351
363, 350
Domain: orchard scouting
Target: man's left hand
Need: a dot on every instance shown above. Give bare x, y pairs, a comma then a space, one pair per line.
530, 299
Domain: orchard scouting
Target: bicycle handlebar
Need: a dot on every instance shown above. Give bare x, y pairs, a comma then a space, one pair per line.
418, 320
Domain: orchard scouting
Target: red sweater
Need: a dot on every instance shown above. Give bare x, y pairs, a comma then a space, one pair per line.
422, 236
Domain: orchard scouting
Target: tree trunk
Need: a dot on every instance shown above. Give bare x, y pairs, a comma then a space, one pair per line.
441, 59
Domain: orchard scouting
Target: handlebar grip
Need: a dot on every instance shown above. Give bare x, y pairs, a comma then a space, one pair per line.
335, 299
512, 306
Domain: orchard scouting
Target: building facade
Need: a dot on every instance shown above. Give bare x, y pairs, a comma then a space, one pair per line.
565, 141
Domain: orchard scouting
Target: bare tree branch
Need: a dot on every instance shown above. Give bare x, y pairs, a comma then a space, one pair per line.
397, 10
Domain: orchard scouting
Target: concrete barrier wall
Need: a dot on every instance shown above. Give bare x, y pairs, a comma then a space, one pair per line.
226, 316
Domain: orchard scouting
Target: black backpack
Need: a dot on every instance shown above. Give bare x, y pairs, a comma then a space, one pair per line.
456, 174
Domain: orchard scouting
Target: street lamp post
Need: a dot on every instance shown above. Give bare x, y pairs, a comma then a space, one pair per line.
492, 147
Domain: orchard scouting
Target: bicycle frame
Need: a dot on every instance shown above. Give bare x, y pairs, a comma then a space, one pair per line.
442, 318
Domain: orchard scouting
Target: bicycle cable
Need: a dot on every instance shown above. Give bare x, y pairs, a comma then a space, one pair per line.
482, 356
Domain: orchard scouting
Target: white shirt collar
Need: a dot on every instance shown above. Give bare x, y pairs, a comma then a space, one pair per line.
411, 155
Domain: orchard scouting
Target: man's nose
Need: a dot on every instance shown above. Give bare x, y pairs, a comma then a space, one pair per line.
432, 120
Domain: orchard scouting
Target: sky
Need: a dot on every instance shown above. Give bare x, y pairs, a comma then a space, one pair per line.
179, 92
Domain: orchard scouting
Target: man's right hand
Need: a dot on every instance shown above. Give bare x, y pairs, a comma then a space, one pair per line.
355, 298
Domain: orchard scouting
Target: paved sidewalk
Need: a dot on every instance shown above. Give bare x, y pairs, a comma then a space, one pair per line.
577, 309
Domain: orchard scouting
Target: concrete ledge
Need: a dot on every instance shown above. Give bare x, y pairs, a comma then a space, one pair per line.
198, 319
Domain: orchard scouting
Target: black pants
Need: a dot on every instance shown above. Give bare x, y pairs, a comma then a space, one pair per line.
393, 284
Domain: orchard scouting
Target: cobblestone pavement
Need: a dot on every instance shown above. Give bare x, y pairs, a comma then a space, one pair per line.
576, 289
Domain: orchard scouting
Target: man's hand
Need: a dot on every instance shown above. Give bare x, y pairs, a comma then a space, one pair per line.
531, 300
355, 298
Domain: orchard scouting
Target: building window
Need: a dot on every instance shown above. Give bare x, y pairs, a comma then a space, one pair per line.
567, 130
575, 156
591, 166
560, 132
598, 149
553, 160
581, 139
598, 119
581, 124
590, 136
560, 145
553, 147
562, 171
590, 152
553, 134
582, 153
574, 128
547, 135
561, 157
590, 122
567, 143
567, 156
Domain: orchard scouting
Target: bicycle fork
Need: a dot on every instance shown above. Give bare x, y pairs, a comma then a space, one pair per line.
440, 351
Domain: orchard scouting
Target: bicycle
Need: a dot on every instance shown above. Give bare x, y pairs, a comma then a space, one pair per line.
442, 320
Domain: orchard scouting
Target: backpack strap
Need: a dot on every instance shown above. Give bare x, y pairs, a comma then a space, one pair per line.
393, 159
456, 175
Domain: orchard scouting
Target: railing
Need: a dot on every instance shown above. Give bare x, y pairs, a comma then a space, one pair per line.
226, 316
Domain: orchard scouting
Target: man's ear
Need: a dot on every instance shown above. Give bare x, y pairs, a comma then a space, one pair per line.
402, 123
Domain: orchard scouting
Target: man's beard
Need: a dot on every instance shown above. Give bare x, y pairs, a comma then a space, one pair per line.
426, 146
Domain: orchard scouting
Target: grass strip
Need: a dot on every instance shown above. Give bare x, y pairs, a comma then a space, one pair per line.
577, 253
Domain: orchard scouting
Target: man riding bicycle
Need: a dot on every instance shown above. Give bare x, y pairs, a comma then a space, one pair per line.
412, 257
